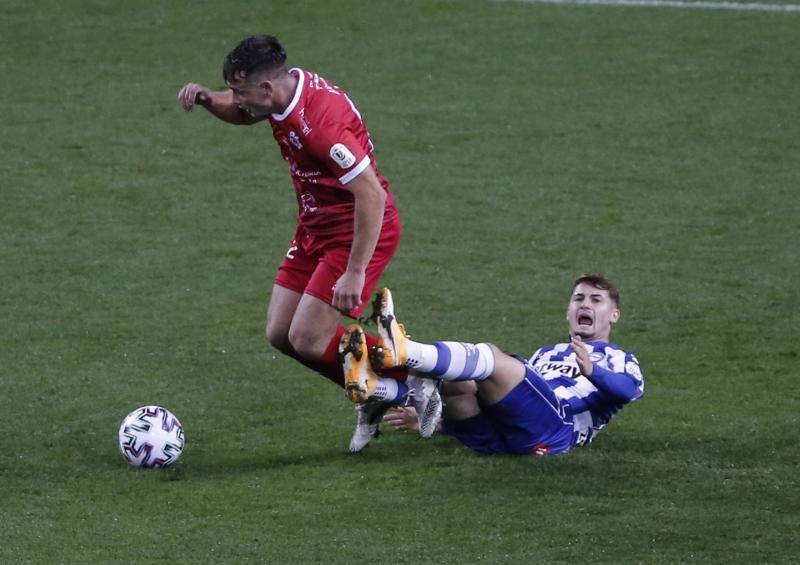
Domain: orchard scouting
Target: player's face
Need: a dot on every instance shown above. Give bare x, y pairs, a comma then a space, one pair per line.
591, 313
253, 98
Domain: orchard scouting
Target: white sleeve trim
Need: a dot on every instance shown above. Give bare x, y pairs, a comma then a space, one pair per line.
355, 171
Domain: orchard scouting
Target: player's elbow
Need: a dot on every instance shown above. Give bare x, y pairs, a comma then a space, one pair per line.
372, 201
378, 195
627, 393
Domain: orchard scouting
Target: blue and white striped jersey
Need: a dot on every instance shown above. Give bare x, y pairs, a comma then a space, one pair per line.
616, 380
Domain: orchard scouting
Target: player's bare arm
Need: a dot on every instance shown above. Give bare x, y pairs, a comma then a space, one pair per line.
370, 199
220, 104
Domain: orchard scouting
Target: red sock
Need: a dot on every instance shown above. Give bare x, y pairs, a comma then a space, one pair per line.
397, 373
331, 357
331, 372
328, 366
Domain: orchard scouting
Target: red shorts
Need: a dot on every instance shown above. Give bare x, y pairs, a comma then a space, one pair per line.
313, 268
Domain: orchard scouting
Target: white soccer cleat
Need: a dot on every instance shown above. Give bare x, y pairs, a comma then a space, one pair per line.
370, 414
359, 378
392, 347
427, 402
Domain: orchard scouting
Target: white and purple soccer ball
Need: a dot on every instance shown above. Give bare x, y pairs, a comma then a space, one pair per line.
151, 437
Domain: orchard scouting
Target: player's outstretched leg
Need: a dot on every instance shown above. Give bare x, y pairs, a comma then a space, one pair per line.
359, 378
392, 348
370, 414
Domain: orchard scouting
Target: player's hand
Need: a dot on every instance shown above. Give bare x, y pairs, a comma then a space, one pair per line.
347, 291
193, 94
582, 356
402, 418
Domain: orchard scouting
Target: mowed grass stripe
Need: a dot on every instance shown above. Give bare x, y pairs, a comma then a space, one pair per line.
734, 6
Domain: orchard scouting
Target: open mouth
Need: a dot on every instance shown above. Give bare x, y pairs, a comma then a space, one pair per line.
585, 320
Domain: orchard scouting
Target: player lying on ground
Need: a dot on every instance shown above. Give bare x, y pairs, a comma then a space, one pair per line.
347, 224
559, 399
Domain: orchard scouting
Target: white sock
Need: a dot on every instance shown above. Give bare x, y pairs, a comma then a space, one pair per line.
421, 356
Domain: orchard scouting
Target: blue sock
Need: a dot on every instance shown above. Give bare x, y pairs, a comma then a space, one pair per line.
390, 390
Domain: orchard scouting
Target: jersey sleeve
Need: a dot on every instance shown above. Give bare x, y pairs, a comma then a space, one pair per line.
335, 143
627, 385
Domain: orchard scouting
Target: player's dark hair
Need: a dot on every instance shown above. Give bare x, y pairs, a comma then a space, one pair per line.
254, 54
599, 280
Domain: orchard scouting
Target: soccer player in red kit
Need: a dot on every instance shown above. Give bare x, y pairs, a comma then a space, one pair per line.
348, 227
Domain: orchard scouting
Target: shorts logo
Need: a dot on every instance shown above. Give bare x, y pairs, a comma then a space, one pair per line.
342, 156
540, 450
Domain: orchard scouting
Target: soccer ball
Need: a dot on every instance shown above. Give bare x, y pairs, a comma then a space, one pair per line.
151, 437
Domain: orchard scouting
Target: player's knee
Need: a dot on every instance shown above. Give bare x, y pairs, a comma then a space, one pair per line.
277, 338
306, 342
461, 406
458, 388
496, 351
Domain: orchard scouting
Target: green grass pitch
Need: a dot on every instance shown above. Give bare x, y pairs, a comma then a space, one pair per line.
525, 144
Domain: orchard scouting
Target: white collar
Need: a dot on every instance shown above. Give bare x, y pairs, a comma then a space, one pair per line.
301, 78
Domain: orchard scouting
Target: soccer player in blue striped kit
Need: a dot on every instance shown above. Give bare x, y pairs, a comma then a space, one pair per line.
496, 403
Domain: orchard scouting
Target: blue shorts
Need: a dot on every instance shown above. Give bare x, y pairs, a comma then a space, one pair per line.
529, 420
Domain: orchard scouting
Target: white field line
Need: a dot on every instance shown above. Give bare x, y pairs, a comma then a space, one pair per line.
740, 6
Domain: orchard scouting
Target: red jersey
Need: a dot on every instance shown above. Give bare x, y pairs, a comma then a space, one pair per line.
326, 145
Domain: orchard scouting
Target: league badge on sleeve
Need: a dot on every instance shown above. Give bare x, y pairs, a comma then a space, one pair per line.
342, 155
